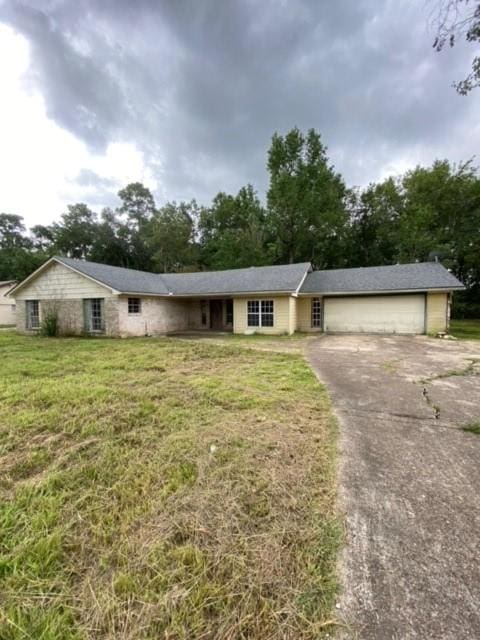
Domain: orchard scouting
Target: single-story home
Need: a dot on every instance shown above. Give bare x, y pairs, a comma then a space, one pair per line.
92, 298
7, 305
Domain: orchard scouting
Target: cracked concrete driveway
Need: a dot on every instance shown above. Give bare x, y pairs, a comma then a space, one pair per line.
409, 483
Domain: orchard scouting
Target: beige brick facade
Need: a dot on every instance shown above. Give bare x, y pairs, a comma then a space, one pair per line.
63, 290
157, 316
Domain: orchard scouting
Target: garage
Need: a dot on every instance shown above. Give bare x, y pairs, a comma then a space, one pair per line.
375, 314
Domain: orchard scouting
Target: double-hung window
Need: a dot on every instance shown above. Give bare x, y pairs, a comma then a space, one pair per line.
33, 314
316, 313
134, 305
260, 313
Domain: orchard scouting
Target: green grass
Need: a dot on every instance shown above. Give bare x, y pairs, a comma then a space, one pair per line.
473, 427
465, 329
163, 488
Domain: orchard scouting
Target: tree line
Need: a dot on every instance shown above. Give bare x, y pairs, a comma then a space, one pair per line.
310, 214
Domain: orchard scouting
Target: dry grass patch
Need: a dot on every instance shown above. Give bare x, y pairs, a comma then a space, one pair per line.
163, 489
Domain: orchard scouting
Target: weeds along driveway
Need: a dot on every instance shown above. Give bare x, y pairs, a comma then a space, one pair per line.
409, 483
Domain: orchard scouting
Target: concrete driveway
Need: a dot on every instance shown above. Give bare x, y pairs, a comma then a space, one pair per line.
409, 483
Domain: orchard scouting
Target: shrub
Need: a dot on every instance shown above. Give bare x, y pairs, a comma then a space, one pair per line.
49, 326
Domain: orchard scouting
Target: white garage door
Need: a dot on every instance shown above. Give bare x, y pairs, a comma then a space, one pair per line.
375, 314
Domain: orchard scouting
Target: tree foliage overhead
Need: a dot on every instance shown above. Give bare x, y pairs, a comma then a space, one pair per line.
454, 20
428, 213
170, 237
17, 255
306, 216
232, 231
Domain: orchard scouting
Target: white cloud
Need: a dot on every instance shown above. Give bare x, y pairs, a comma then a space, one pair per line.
38, 159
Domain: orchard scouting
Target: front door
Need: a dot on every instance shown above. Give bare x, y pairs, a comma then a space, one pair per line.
216, 314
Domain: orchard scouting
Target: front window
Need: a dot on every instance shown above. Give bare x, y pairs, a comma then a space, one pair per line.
134, 305
316, 312
33, 314
94, 316
260, 313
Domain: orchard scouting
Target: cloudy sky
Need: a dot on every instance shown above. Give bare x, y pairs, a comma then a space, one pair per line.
184, 95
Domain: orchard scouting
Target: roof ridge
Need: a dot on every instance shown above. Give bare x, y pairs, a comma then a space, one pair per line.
180, 273
382, 266
264, 278
103, 264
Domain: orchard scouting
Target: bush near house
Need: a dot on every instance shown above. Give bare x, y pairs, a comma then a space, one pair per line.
163, 489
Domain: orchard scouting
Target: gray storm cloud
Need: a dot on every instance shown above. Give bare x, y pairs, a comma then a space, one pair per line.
199, 87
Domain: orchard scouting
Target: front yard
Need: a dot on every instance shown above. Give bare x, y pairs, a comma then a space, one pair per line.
465, 329
163, 488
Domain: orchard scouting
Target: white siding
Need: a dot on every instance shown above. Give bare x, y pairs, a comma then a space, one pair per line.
58, 282
7, 306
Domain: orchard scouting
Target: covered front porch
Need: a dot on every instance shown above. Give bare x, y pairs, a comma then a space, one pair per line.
210, 314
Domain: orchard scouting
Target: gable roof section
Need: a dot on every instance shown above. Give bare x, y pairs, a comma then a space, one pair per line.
419, 276
272, 279
8, 285
283, 278
43, 267
289, 278
119, 278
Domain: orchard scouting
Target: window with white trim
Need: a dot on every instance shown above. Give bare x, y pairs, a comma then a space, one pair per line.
260, 313
33, 314
316, 313
134, 305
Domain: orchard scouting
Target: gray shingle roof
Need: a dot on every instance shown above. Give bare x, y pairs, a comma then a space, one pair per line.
281, 278
419, 276
285, 277
123, 280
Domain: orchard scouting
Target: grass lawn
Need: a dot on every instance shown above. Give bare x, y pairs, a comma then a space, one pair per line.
465, 329
163, 488
473, 427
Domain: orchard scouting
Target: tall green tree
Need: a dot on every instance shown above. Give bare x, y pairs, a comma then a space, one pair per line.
375, 220
232, 231
75, 234
138, 203
137, 208
307, 216
17, 255
170, 237
442, 217
110, 245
